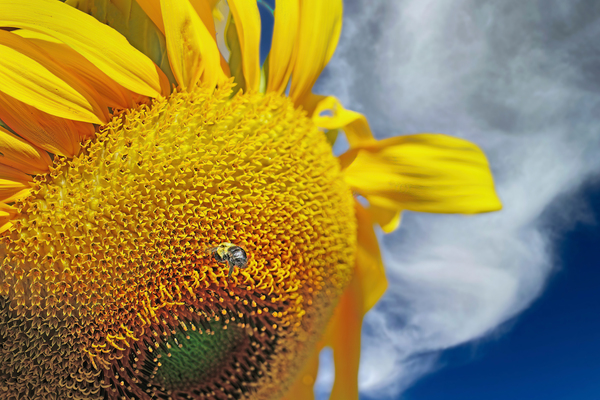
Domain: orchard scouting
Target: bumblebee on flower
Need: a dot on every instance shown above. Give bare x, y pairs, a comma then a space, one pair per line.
129, 140
232, 255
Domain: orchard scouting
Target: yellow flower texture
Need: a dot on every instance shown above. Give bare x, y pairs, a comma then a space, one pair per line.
131, 145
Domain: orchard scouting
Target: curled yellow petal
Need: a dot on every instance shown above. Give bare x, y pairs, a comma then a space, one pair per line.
328, 113
192, 50
319, 32
388, 219
247, 23
31, 77
56, 135
17, 153
100, 44
282, 54
425, 172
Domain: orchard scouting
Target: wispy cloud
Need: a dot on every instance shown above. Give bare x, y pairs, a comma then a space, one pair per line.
519, 78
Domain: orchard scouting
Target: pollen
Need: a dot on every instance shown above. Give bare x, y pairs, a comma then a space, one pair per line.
107, 287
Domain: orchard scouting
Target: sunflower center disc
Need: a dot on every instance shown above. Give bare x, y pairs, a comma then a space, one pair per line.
106, 267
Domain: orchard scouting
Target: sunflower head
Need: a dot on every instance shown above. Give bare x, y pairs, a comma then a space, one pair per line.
127, 173
111, 245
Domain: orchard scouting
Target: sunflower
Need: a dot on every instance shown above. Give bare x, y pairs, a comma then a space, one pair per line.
132, 143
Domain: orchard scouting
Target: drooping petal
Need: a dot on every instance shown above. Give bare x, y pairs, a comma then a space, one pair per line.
282, 54
14, 184
343, 332
56, 135
100, 44
17, 153
343, 336
192, 50
425, 172
247, 24
302, 389
328, 113
318, 35
31, 77
369, 266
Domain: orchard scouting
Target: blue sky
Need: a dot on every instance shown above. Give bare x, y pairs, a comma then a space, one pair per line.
551, 351
499, 305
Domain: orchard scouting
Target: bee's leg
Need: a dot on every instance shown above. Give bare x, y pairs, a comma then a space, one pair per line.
231, 267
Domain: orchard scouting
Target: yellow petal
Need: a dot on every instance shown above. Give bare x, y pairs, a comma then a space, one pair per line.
426, 172
111, 93
14, 184
328, 113
302, 389
192, 50
344, 329
6, 214
204, 10
318, 35
129, 19
282, 54
56, 135
236, 67
100, 44
388, 219
369, 266
247, 23
17, 153
343, 336
27, 34
30, 76
152, 10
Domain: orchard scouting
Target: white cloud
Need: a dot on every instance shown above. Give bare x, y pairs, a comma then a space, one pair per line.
520, 79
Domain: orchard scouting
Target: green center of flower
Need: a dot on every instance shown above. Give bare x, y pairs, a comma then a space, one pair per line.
189, 357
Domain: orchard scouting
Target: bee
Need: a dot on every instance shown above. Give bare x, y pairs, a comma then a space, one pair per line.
231, 254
